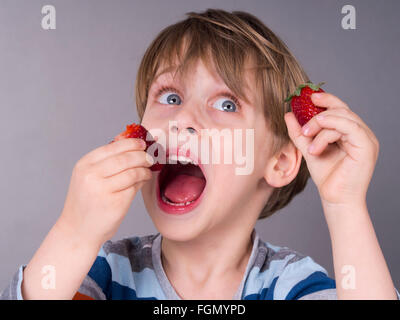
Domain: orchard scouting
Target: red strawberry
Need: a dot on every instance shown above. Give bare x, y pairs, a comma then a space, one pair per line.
301, 103
137, 131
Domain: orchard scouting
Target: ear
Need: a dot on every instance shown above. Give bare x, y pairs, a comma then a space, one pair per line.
283, 167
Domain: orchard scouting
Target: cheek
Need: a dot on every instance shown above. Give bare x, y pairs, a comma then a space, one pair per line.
146, 118
153, 118
156, 111
147, 190
226, 182
230, 192
263, 142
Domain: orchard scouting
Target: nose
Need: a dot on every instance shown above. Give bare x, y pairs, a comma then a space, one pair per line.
184, 133
191, 130
186, 120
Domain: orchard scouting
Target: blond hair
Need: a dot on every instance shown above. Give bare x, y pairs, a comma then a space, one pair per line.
229, 39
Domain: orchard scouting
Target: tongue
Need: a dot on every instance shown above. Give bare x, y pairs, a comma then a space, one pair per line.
184, 188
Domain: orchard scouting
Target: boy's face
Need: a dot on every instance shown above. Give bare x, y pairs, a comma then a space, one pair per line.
221, 199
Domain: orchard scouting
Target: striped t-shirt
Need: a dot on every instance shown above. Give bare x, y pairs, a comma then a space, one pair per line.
132, 269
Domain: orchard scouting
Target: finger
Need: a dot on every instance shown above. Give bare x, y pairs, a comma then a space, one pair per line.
131, 191
327, 100
321, 141
123, 161
347, 113
351, 131
128, 178
108, 150
294, 130
312, 127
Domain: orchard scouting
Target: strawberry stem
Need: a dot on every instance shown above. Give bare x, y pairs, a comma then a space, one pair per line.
309, 84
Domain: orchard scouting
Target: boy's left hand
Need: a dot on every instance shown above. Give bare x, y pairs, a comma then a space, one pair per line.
339, 149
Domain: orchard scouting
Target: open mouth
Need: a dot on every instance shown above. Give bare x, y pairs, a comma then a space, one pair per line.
180, 187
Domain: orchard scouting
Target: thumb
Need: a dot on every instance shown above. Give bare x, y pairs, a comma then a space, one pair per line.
294, 129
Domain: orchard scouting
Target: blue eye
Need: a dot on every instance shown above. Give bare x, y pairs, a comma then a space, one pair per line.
225, 105
170, 98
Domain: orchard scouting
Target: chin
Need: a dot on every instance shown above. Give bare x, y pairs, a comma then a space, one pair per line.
180, 234
179, 227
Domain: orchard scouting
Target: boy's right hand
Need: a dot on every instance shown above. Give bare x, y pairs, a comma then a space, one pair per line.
102, 187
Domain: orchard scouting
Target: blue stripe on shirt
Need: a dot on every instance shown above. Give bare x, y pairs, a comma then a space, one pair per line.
265, 294
120, 292
101, 274
317, 281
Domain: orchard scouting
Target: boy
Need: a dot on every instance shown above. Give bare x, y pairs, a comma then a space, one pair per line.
216, 70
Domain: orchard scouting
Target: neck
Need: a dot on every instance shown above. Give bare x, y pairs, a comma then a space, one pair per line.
206, 257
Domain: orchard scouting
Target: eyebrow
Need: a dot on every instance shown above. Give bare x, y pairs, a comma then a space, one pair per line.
174, 67
165, 70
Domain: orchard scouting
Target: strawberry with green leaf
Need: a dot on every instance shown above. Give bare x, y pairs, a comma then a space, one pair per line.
300, 101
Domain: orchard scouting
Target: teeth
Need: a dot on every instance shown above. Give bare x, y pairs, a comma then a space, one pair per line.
176, 204
181, 159
184, 160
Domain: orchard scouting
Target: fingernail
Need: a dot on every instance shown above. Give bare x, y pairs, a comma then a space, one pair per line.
311, 148
143, 143
306, 130
149, 159
320, 117
317, 95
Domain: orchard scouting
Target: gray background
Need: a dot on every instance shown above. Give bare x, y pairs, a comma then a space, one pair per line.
67, 91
